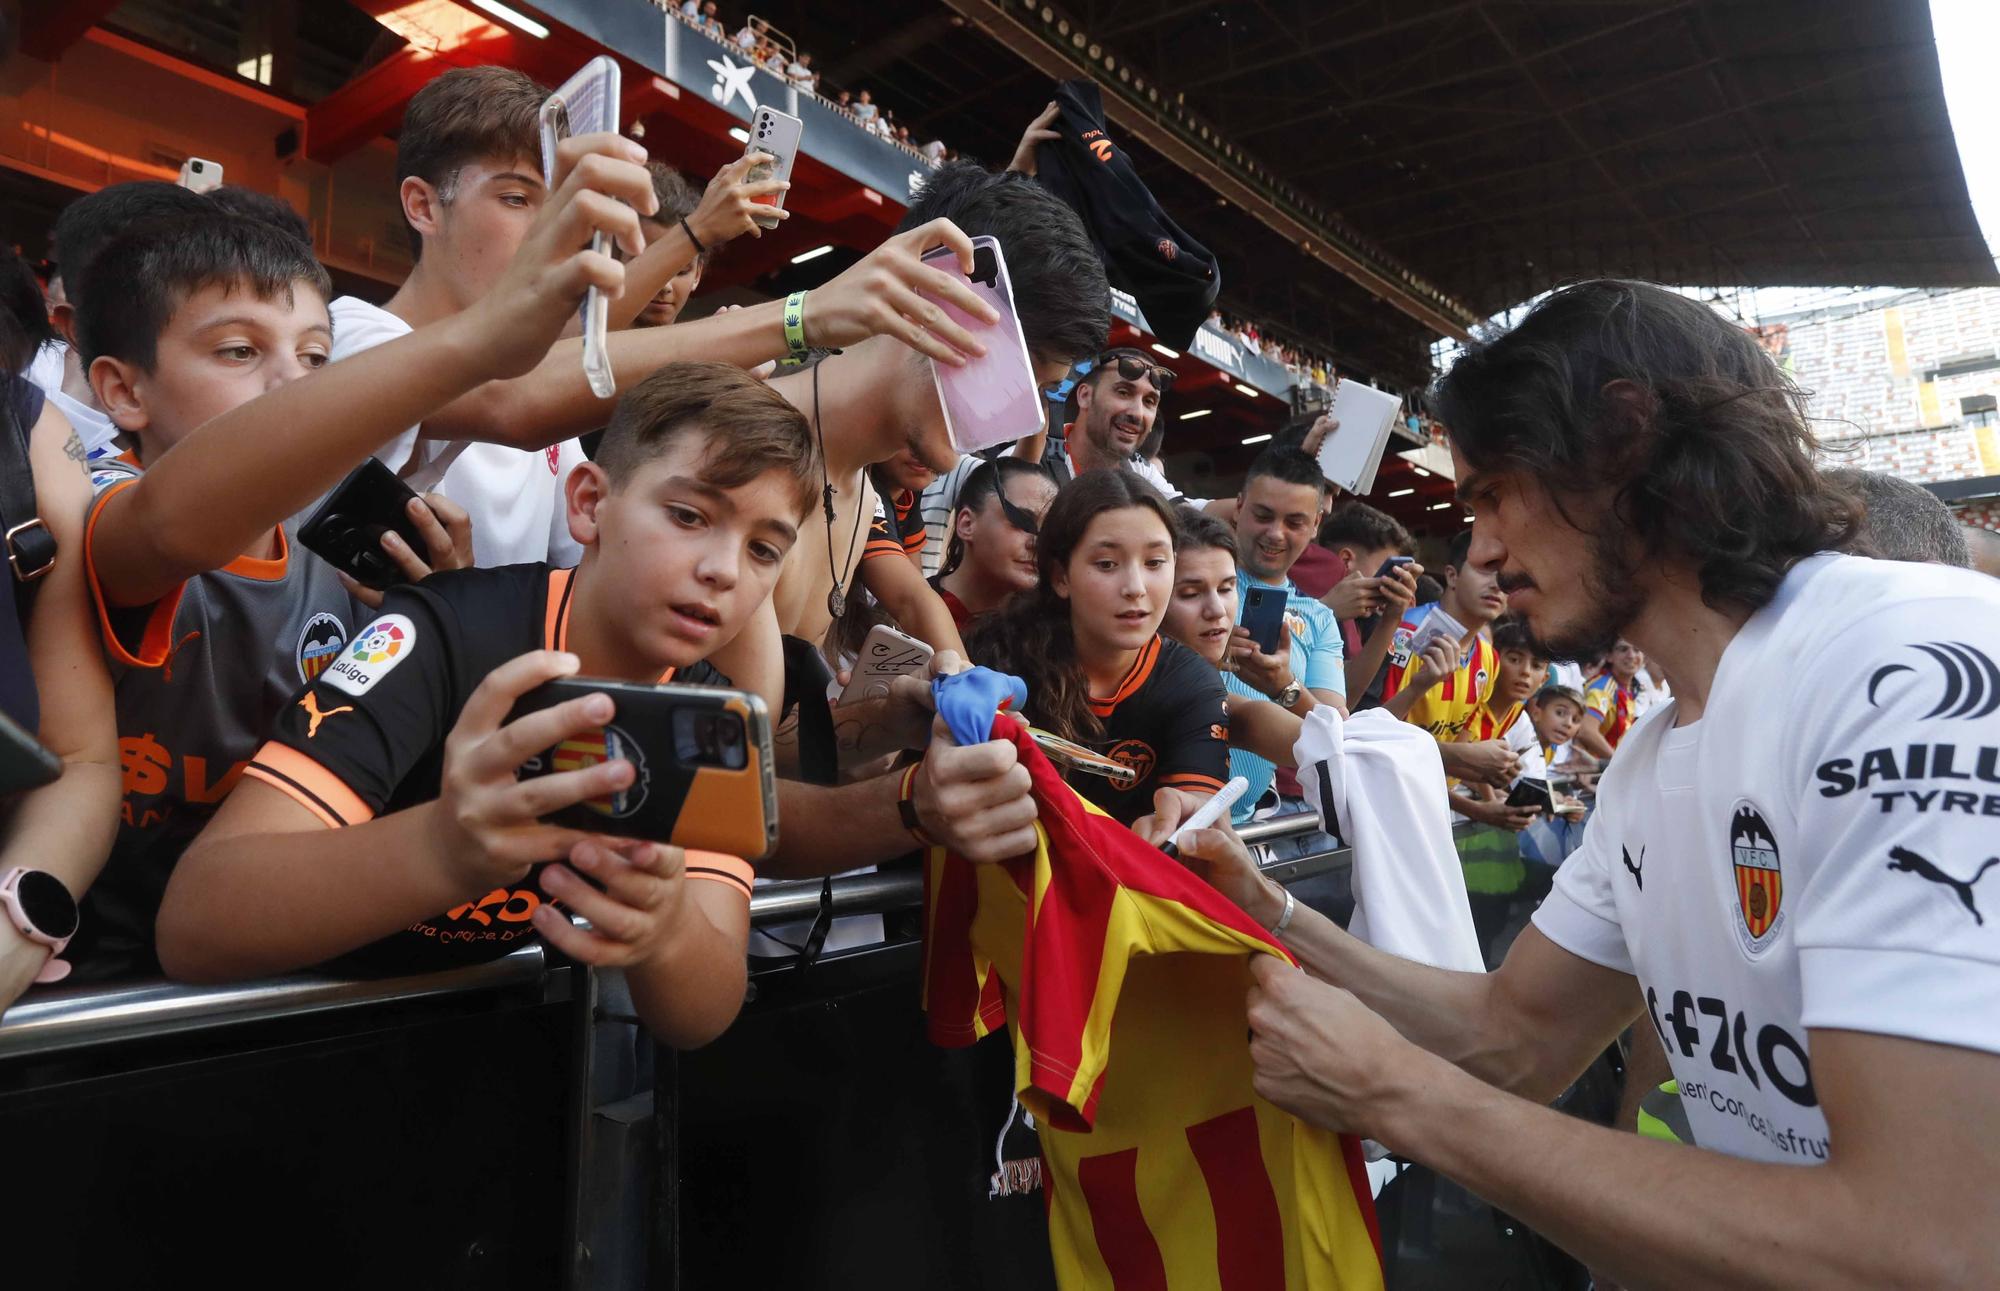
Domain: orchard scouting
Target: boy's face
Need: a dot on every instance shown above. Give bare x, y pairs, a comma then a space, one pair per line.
691, 562
1520, 674
1557, 721
222, 348
1367, 560
470, 240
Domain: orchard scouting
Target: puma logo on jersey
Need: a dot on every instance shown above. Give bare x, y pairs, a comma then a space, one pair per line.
1908, 862
1638, 879
310, 702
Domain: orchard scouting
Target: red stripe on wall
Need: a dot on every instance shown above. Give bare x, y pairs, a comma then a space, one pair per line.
1110, 1188
1249, 1235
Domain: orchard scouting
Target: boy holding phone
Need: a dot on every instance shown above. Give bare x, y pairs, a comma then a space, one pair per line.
386, 802
204, 337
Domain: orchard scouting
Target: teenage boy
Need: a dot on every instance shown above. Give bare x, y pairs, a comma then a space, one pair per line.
468, 161
1283, 501
1443, 687
210, 618
1610, 695
81, 231
403, 750
892, 563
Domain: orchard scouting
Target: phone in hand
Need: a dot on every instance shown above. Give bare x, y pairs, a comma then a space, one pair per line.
25, 762
200, 175
886, 654
1394, 562
703, 757
346, 530
586, 103
1532, 793
1264, 615
777, 133
993, 399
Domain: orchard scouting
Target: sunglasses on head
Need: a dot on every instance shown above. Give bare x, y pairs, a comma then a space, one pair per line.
1133, 365
1021, 519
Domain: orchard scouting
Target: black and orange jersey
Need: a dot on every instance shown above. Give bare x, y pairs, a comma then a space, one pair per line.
1122, 978
366, 736
199, 676
1166, 722
897, 529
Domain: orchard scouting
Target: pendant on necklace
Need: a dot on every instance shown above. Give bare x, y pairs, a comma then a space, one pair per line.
836, 604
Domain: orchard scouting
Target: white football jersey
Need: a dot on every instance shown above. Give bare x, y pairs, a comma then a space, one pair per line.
1817, 851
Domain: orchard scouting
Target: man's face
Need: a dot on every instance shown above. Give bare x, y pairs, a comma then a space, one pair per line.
1274, 522
1575, 590
492, 203
222, 348
691, 562
1473, 594
1626, 660
1557, 721
668, 302
1520, 674
1115, 412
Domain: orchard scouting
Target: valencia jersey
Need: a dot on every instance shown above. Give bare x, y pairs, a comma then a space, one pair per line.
1449, 709
1166, 722
1122, 978
366, 737
1611, 705
199, 676
896, 530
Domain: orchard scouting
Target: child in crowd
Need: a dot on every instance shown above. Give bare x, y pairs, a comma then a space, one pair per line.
386, 801
1521, 668
1087, 641
990, 554
891, 567
1611, 696
1557, 712
196, 333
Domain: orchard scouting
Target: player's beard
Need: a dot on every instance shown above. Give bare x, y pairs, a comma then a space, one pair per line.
1614, 600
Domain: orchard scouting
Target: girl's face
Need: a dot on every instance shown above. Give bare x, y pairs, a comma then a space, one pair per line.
1203, 608
1118, 580
1003, 554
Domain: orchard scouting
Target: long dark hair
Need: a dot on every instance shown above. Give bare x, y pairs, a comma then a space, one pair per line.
986, 480
1707, 446
1032, 635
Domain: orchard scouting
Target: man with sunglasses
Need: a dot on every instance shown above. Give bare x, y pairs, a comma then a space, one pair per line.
1118, 396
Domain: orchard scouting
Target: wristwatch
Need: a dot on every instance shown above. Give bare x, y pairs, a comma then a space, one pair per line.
1289, 696
44, 912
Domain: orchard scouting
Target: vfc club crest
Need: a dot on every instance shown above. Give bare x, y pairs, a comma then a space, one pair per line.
1760, 879
585, 750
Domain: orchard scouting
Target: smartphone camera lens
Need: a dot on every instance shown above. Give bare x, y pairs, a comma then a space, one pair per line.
706, 738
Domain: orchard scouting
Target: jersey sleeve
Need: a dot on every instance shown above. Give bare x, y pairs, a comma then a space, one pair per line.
350, 737
1396, 666
1194, 752
135, 636
1579, 913
1324, 666
1600, 700
1899, 920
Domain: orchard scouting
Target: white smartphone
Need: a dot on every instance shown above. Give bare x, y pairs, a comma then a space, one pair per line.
777, 133
587, 103
993, 399
200, 175
886, 654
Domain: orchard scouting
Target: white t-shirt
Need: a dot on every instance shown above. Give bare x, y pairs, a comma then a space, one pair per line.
514, 496
1810, 854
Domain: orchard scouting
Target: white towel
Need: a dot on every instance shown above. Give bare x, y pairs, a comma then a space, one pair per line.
1379, 783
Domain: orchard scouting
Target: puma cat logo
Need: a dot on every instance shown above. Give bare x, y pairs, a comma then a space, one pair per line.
314, 717
1637, 878
1911, 863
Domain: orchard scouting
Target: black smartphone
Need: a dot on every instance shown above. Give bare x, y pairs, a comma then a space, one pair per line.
706, 777
1264, 615
346, 530
25, 762
1532, 793
1395, 562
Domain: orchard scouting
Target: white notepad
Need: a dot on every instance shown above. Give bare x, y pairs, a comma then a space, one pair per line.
1350, 454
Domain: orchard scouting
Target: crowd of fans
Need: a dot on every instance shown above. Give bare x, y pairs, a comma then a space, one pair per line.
1305, 366
775, 52
247, 732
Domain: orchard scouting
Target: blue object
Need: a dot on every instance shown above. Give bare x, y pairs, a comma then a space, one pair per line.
970, 700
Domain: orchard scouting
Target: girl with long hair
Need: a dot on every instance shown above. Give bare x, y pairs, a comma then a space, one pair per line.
990, 554
1087, 641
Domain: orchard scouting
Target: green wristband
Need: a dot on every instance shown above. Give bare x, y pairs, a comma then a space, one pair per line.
795, 326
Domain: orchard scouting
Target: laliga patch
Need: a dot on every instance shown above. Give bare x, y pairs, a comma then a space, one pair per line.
318, 645
378, 648
581, 752
1760, 879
